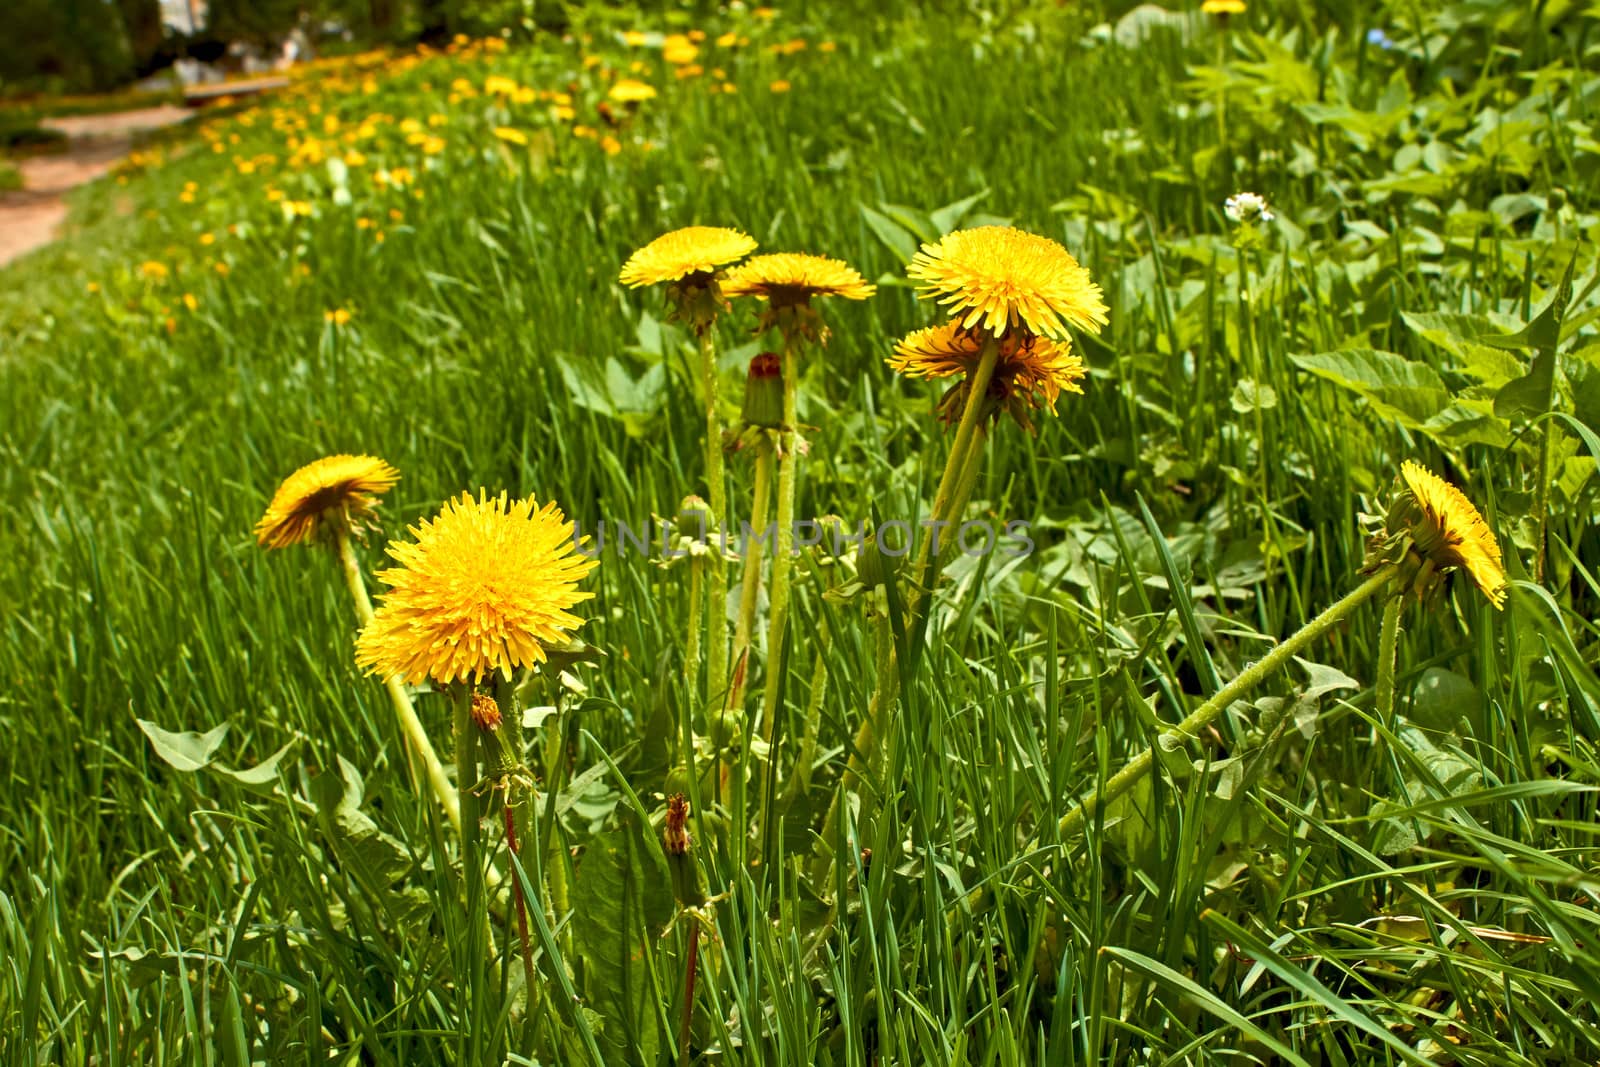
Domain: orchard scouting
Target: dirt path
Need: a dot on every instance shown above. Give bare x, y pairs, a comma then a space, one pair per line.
30, 216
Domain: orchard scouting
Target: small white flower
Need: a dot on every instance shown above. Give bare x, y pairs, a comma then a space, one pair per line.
1247, 208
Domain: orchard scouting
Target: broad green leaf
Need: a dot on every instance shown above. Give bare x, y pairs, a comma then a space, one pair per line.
262, 774
1458, 335
895, 237
1442, 700
1410, 393
1467, 422
624, 903
187, 751
947, 218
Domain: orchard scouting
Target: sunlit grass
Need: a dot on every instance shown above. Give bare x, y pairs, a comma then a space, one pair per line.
1312, 879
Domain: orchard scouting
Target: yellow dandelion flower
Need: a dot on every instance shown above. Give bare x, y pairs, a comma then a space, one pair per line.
511, 135
997, 279
610, 145
1030, 372
484, 587
631, 91
1223, 7
191, 302
728, 40
343, 487
779, 86
793, 277
677, 49
153, 270
634, 38
1450, 533
337, 317
681, 253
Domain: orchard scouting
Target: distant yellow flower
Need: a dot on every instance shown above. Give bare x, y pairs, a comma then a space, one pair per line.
634, 38
677, 49
1223, 7
794, 277
343, 487
511, 135
610, 145
191, 302
681, 253
338, 317
728, 40
1447, 530
997, 279
484, 588
499, 85
1030, 372
153, 270
779, 86
631, 91
693, 70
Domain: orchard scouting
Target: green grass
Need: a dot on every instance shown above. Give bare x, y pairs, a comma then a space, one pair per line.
1313, 883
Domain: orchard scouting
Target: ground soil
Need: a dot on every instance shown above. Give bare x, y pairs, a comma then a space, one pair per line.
30, 216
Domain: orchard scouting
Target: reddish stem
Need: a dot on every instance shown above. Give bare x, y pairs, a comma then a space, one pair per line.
688, 991
516, 891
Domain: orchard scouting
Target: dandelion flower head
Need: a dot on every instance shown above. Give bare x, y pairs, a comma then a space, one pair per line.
681, 253
339, 487
996, 278
485, 587
1030, 372
1448, 531
794, 277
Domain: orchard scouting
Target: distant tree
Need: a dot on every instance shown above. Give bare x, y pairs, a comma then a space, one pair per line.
141, 25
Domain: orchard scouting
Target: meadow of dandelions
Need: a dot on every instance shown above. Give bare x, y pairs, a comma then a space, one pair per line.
481, 605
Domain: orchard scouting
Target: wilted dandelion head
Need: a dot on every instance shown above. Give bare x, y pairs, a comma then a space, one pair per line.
796, 277
692, 250
996, 278
484, 587
1030, 372
335, 488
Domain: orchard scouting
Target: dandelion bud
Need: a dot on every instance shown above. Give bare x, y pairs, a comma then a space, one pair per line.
694, 518
763, 392
874, 566
676, 842
675, 836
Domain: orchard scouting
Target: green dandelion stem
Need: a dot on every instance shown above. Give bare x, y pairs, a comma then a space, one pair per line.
716, 614
750, 582
956, 465
1388, 650
477, 915
556, 865
691, 651
782, 564
517, 900
410, 725
1073, 822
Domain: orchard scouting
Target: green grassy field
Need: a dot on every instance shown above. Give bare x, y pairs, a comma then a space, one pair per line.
365, 265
